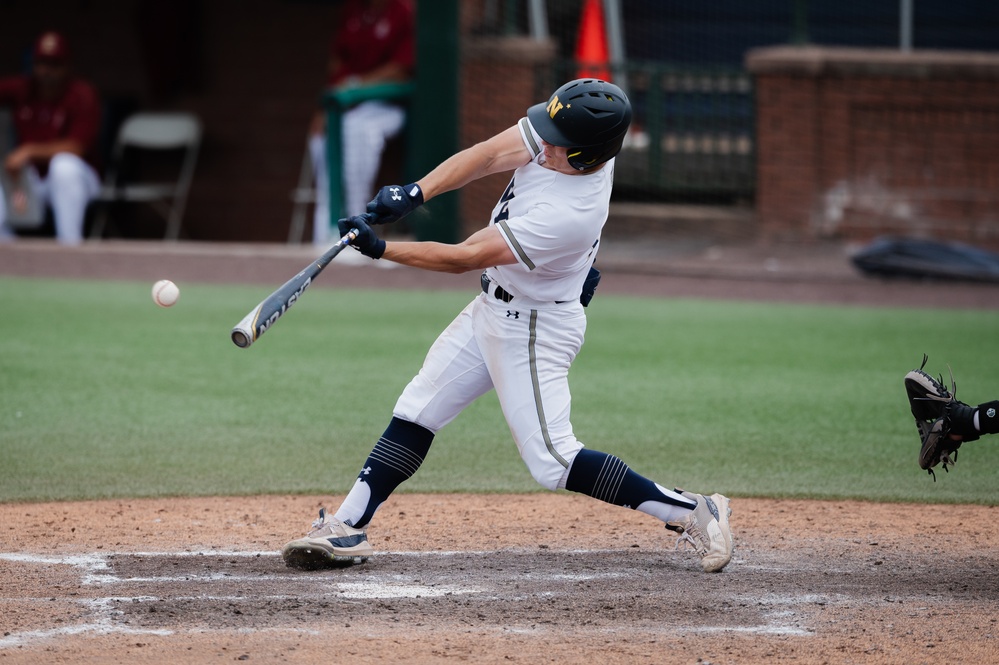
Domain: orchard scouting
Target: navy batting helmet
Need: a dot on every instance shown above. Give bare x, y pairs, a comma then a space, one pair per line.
588, 116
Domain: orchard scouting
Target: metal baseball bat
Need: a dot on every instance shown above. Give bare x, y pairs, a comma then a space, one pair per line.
273, 307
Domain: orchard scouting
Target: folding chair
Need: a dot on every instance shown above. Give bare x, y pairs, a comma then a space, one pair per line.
151, 132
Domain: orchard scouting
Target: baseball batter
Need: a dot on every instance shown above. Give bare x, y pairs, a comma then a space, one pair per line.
520, 335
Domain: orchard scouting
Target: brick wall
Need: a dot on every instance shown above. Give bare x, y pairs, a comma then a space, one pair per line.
501, 77
857, 143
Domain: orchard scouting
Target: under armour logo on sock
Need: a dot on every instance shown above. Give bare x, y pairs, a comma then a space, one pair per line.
510, 314
366, 470
395, 193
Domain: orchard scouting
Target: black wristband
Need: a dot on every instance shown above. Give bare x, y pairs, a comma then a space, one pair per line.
988, 418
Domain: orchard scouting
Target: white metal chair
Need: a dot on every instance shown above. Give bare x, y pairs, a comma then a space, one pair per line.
145, 132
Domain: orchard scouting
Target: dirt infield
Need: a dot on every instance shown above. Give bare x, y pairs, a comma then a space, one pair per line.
553, 578
495, 579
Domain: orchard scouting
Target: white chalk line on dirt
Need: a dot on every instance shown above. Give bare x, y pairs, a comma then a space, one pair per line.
94, 567
101, 624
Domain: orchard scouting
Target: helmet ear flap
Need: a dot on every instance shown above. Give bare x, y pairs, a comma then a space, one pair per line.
590, 156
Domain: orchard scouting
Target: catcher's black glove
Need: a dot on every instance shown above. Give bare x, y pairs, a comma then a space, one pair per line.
934, 408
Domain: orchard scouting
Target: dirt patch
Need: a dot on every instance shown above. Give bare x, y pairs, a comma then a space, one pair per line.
525, 578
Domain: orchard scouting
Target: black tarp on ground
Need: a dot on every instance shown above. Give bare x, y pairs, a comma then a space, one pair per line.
927, 259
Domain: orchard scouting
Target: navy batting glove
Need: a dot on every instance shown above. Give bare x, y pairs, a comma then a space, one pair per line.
395, 201
367, 241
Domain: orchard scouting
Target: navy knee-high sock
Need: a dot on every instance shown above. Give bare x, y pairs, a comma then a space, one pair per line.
609, 479
395, 458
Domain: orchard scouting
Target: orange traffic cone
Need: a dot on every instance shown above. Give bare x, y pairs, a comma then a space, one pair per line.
592, 53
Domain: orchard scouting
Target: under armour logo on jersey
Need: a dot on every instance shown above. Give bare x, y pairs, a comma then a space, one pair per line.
395, 193
510, 314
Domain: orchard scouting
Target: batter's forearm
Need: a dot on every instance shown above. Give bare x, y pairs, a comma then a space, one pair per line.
435, 256
455, 172
503, 152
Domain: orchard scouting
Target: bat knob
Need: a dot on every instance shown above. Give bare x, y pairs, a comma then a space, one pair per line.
240, 339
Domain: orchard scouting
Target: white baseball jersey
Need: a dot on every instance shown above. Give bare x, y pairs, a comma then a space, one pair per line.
552, 223
523, 348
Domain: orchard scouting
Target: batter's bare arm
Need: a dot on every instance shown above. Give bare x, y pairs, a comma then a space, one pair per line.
503, 152
482, 249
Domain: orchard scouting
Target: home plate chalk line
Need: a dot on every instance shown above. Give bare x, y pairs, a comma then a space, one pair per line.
95, 570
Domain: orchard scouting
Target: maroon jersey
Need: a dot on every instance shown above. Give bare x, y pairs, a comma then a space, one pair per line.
368, 39
75, 115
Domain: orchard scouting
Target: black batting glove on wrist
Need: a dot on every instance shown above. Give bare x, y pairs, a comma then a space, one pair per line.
367, 241
395, 201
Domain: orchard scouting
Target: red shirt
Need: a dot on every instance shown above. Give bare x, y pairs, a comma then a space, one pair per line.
75, 115
369, 38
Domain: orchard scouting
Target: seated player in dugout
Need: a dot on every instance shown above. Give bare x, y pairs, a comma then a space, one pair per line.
521, 333
374, 44
57, 121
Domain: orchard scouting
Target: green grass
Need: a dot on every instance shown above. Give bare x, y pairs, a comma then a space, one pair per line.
102, 394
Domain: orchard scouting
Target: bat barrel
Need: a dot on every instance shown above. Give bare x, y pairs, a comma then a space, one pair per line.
273, 307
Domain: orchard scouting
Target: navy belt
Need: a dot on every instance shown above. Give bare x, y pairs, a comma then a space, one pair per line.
500, 292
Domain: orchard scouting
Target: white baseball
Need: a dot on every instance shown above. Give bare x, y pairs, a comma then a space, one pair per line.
165, 293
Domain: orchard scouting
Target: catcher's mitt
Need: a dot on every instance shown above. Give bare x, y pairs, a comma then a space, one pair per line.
933, 405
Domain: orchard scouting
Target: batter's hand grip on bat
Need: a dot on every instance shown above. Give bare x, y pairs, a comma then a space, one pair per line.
273, 307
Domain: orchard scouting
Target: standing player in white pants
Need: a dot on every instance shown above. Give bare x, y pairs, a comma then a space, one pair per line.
521, 334
57, 119
365, 129
375, 43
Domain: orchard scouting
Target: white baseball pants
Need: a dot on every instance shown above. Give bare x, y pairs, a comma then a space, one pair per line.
68, 188
524, 350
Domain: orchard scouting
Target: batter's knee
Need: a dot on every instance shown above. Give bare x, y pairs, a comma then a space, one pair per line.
551, 469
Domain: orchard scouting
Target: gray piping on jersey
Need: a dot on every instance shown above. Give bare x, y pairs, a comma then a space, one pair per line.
525, 127
537, 390
516, 245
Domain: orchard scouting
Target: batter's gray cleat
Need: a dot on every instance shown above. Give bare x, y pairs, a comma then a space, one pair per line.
707, 530
330, 544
